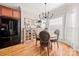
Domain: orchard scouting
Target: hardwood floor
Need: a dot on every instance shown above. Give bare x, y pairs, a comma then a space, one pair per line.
30, 49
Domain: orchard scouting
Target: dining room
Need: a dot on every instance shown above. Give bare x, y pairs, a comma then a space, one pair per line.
42, 29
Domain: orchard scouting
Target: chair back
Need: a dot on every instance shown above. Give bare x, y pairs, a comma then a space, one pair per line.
36, 34
44, 38
57, 32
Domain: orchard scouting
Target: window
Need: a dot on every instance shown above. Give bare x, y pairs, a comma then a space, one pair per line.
56, 23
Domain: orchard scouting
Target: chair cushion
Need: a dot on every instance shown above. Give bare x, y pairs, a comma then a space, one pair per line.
37, 38
53, 40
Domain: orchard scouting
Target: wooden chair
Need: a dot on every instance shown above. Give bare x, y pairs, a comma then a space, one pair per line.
44, 40
55, 40
37, 38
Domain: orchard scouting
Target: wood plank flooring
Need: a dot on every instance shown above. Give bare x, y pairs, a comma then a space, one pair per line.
30, 49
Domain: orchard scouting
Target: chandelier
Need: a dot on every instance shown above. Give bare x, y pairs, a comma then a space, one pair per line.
45, 14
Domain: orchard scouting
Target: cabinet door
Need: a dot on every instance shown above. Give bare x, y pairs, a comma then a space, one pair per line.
6, 12
16, 14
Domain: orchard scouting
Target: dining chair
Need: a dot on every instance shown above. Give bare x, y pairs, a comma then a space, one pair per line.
44, 41
55, 40
37, 38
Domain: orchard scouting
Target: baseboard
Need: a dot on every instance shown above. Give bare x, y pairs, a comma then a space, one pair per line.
66, 43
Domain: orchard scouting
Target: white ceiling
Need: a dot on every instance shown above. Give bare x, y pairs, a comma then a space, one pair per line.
32, 10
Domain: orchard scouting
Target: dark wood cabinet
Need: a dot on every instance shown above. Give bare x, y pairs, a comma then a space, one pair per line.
10, 21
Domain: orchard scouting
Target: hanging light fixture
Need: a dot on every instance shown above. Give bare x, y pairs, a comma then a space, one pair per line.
45, 14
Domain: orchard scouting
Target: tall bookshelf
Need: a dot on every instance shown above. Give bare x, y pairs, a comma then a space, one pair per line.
30, 34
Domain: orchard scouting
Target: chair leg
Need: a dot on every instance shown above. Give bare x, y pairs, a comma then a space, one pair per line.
36, 42
51, 45
40, 49
57, 44
48, 50
54, 43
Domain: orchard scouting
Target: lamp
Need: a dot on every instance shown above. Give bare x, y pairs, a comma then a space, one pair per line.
45, 15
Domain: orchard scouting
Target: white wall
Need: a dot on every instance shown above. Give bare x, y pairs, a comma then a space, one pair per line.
72, 26
70, 12
76, 28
